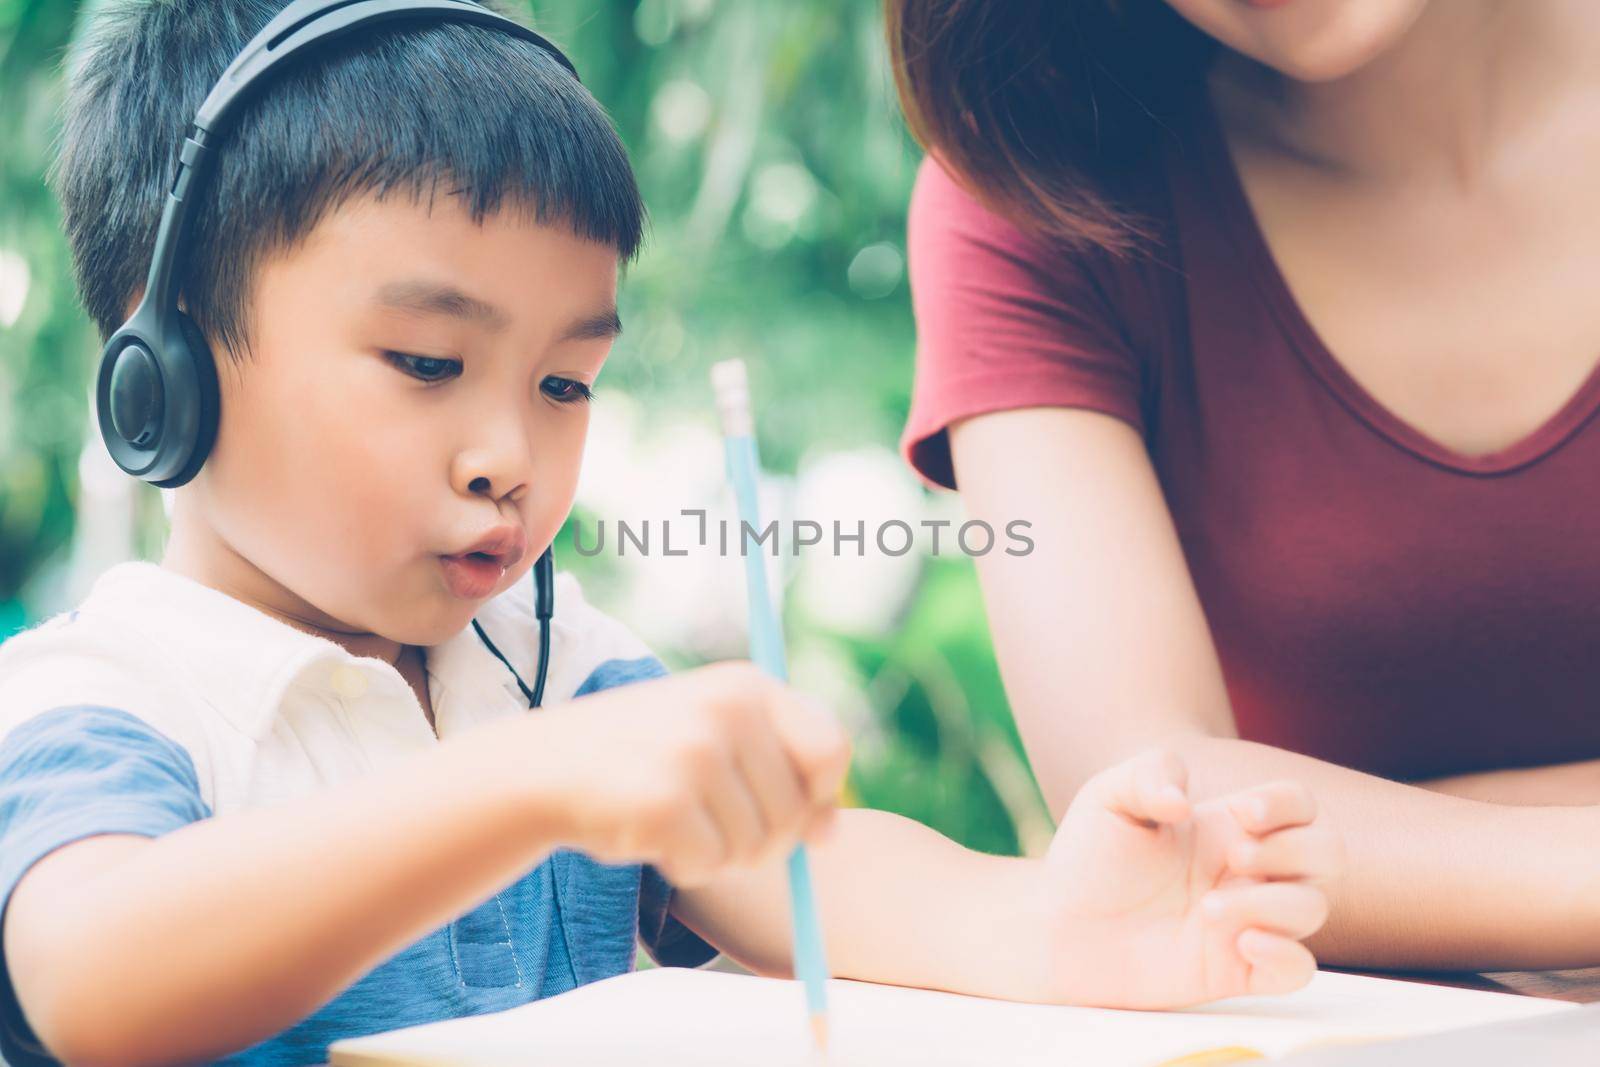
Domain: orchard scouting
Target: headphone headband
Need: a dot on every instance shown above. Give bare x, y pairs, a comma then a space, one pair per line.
296, 29
157, 412
308, 22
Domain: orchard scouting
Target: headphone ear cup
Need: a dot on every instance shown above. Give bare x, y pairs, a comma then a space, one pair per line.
206, 399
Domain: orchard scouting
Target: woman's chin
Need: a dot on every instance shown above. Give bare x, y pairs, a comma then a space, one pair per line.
1322, 62
1313, 41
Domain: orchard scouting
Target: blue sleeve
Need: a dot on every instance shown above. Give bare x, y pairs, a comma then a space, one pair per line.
71, 773
615, 672
668, 941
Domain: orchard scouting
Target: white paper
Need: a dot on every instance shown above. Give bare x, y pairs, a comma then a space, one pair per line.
672, 1017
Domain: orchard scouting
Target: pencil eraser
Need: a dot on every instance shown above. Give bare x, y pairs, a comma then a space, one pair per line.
729, 376
731, 385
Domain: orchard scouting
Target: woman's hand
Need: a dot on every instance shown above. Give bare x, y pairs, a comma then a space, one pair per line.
1157, 903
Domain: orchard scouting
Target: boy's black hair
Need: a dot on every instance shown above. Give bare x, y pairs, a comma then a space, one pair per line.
419, 108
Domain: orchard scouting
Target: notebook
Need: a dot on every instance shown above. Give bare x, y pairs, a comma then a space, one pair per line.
670, 1017
1566, 1039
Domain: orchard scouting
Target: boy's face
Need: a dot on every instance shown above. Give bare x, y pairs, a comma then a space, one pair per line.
415, 385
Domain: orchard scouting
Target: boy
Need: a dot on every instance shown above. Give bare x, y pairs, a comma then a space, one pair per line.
285, 787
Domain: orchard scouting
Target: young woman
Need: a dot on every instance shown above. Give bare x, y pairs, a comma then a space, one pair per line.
1278, 320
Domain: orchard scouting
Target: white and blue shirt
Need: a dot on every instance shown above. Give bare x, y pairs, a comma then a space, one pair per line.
160, 701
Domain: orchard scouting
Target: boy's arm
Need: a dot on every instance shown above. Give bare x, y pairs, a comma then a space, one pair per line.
1142, 902
217, 935
899, 903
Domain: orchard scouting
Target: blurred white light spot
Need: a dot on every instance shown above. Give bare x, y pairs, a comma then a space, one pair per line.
784, 192
695, 10
857, 588
681, 110
607, 471
666, 337
654, 21
781, 195
875, 270
14, 281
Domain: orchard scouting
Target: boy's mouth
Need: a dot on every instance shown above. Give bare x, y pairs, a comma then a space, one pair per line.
473, 573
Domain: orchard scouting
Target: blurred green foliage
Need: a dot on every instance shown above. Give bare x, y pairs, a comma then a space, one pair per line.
45, 342
769, 146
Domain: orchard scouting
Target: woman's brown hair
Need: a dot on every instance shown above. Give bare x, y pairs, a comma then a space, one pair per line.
1041, 107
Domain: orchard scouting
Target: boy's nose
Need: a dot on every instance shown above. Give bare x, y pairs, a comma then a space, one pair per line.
495, 471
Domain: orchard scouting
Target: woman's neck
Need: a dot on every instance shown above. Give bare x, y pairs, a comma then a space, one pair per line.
1467, 81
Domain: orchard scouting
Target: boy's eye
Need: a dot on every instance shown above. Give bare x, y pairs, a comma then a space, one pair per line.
425, 368
566, 390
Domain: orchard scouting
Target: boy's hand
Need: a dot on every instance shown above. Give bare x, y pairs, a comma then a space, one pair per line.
711, 768
1155, 903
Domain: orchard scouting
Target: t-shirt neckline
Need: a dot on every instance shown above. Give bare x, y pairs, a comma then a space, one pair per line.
1244, 229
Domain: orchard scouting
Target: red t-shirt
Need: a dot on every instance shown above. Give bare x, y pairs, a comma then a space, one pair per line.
1376, 600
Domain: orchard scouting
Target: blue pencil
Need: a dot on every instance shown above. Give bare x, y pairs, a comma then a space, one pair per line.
732, 390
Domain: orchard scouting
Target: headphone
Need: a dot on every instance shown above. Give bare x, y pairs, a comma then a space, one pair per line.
156, 395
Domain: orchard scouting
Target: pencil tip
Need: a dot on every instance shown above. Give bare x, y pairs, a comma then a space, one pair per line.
819, 1031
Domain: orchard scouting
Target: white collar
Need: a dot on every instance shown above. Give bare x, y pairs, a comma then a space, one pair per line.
242, 661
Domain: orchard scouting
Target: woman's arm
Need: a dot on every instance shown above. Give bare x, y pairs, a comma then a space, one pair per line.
1105, 650
1560, 783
